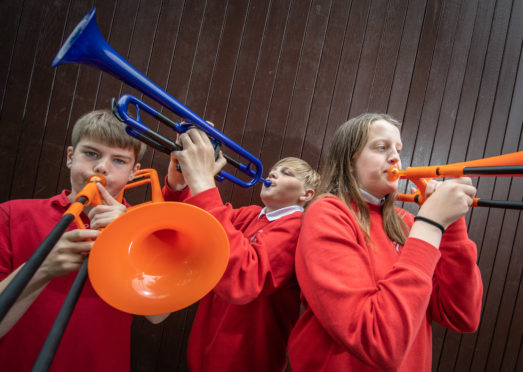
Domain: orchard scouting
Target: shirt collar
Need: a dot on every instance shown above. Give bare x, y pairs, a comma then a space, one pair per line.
61, 200
371, 199
279, 213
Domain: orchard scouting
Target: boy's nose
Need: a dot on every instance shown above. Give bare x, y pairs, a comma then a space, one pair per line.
100, 167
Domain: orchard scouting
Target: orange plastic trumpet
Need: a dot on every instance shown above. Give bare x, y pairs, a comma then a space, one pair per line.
508, 165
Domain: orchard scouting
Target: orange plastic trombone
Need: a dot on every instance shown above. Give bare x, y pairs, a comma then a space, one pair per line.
88, 195
151, 260
508, 165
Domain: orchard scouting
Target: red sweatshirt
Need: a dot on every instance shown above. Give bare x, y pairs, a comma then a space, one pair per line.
244, 323
369, 305
97, 337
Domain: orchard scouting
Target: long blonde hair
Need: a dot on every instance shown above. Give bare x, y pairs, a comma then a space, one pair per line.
337, 176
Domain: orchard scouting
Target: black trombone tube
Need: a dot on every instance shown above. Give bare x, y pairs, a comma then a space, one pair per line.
494, 170
48, 351
507, 204
17, 285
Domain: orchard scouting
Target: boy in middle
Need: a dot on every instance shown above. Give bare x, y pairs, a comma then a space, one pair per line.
243, 324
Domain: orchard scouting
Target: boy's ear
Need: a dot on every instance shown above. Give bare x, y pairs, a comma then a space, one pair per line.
307, 195
136, 168
69, 160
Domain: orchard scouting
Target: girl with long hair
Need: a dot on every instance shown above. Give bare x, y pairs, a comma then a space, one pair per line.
373, 276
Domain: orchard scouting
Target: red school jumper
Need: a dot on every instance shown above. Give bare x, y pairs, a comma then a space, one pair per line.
369, 306
243, 324
97, 337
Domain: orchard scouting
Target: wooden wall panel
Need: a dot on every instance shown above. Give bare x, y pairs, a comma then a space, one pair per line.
323, 91
278, 77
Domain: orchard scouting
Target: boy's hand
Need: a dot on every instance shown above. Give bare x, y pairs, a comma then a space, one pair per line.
103, 215
175, 179
197, 160
69, 252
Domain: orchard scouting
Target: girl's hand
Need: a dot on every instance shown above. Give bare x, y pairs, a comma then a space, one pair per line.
448, 200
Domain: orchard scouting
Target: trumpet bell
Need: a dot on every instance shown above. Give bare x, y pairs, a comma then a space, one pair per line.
158, 258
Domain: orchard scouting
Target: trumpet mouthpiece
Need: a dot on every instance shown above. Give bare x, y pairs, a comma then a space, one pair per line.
393, 173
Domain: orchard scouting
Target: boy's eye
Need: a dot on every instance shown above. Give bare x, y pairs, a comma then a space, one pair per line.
120, 161
91, 154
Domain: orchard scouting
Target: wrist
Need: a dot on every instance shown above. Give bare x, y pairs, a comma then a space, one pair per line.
430, 222
201, 185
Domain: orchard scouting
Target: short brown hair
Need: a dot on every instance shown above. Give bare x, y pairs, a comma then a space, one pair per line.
309, 176
103, 126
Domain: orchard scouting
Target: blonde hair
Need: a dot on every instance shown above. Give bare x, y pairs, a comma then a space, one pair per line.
338, 174
103, 126
310, 178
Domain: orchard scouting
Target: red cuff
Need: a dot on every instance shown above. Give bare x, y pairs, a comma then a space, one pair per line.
208, 199
173, 195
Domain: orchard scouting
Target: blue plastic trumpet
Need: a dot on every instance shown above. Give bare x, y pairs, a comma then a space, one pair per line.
86, 45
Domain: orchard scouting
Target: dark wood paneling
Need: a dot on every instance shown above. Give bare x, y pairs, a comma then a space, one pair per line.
346, 76
278, 77
325, 82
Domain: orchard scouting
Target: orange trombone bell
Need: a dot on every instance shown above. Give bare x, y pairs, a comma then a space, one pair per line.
159, 256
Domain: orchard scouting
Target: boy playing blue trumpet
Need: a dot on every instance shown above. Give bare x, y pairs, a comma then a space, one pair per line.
244, 323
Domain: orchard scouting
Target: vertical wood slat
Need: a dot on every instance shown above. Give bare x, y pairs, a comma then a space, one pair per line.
387, 56
242, 87
17, 88
446, 124
346, 76
369, 57
306, 79
38, 97
499, 357
279, 77
159, 70
285, 78
324, 88
263, 89
12, 13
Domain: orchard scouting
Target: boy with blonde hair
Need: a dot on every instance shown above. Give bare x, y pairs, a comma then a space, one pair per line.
244, 323
97, 337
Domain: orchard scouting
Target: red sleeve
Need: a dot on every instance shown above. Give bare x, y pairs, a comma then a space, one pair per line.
6, 264
456, 298
172, 195
256, 266
375, 320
